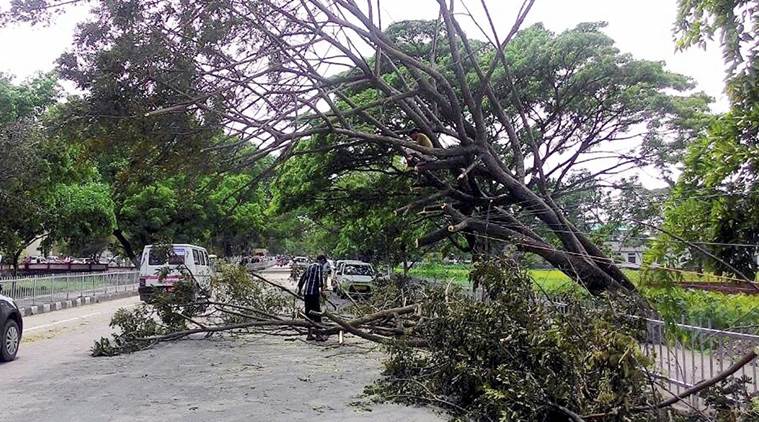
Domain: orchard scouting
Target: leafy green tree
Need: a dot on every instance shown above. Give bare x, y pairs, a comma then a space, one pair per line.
83, 217
711, 218
24, 173
567, 83
353, 212
698, 21
177, 209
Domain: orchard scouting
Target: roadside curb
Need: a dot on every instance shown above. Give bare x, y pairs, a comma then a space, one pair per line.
73, 303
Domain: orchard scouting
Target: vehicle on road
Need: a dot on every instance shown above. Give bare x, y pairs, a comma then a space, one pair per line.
256, 263
162, 267
333, 273
354, 278
300, 261
11, 327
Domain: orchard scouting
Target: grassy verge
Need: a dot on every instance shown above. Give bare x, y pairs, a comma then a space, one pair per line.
551, 281
693, 306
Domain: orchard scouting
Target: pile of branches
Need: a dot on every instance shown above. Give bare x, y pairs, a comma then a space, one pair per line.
243, 302
504, 353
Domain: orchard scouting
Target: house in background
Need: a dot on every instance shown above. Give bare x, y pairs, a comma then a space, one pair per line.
627, 255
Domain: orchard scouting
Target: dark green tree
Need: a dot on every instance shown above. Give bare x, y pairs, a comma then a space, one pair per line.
24, 173
354, 212
711, 218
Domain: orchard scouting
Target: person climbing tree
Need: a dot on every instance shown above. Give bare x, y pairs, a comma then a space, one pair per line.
420, 138
413, 157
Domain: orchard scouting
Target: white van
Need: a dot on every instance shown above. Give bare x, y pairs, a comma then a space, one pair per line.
160, 271
354, 277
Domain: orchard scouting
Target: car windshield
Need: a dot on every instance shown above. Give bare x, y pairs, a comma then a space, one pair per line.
351, 269
159, 257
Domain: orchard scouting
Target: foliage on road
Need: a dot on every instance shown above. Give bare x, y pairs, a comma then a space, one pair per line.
515, 357
233, 295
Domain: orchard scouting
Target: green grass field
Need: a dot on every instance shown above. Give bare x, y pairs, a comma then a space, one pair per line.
694, 306
552, 281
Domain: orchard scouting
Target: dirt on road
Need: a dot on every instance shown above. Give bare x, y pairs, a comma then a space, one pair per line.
231, 378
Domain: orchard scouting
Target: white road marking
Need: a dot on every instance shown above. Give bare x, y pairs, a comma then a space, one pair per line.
63, 321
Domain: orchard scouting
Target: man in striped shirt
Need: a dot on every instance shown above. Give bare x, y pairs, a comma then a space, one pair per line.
311, 284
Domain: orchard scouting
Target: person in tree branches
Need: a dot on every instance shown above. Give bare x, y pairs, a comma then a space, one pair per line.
311, 284
420, 138
414, 157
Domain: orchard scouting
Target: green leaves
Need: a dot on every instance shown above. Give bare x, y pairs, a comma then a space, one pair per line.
82, 214
714, 204
347, 197
513, 356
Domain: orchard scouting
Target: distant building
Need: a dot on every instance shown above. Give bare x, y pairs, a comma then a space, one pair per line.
34, 249
627, 255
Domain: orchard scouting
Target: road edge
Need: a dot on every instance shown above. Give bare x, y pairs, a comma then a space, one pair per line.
74, 303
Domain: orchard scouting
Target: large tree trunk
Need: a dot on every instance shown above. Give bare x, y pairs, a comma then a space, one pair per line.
127, 246
16, 255
580, 259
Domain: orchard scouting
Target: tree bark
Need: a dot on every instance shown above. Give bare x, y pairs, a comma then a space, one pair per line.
16, 255
127, 246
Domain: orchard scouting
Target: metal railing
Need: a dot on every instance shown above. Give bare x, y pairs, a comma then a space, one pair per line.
685, 355
40, 290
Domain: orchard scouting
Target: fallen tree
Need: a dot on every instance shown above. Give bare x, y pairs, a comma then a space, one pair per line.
506, 353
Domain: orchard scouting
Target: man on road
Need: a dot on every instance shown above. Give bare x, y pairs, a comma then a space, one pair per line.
311, 284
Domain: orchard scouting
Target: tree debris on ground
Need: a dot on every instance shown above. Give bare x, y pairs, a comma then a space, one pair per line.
505, 353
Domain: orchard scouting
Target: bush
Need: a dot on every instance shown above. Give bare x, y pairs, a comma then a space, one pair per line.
512, 357
137, 329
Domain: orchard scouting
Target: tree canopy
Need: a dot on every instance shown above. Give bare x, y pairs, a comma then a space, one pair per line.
711, 217
511, 120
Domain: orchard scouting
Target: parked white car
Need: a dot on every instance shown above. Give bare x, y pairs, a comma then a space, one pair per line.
332, 276
160, 270
354, 277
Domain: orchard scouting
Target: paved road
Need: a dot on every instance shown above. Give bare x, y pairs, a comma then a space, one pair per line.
245, 378
54, 339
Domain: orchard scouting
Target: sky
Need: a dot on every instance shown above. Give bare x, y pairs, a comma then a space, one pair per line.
642, 28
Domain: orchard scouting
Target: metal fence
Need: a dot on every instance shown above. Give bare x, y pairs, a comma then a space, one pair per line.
685, 355
39, 290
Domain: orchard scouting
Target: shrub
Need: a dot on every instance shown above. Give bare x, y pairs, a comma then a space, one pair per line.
512, 357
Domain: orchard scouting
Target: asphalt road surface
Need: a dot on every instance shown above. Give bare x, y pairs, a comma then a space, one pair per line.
231, 378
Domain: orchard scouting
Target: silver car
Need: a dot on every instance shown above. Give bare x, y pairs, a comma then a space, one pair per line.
11, 327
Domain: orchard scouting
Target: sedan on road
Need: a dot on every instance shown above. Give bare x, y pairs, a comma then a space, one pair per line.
11, 326
354, 278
